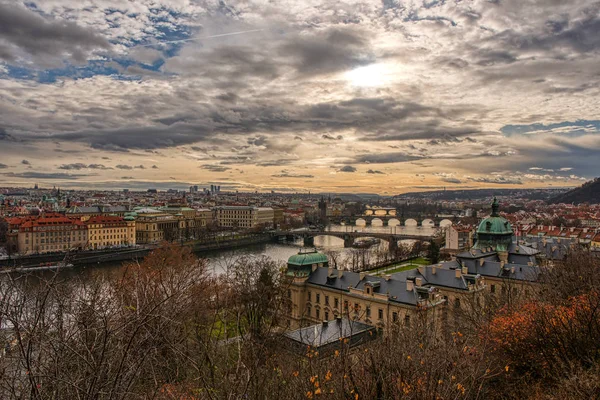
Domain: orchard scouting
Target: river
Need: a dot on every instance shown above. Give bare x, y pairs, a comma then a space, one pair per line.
280, 252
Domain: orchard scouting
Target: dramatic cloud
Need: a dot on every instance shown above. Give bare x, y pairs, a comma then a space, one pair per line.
125, 166
78, 166
498, 180
49, 41
497, 92
286, 174
43, 175
215, 168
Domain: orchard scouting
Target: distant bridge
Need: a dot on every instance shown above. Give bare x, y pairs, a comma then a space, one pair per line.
350, 237
392, 220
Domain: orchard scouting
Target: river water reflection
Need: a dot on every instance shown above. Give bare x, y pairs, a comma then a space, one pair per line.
280, 252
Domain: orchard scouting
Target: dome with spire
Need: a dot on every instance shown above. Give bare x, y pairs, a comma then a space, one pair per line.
494, 231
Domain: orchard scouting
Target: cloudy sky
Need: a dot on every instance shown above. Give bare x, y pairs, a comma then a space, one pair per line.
338, 96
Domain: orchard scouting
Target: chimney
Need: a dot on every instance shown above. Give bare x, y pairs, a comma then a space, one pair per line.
457, 272
329, 272
362, 275
314, 267
410, 286
419, 282
465, 270
512, 270
421, 269
340, 273
433, 270
387, 277
324, 322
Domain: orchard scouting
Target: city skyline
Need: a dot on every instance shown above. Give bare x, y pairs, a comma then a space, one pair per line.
323, 96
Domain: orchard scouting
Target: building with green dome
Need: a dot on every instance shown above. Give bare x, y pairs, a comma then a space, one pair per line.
494, 232
302, 264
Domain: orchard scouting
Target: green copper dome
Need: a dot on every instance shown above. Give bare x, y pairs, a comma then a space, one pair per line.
494, 231
300, 265
311, 258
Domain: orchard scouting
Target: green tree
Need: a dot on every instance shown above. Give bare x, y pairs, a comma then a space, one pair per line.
433, 253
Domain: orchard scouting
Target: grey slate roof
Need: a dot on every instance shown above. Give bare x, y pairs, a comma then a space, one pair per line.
551, 248
320, 335
394, 288
319, 277
443, 277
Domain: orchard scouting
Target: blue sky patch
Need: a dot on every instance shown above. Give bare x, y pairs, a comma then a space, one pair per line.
567, 128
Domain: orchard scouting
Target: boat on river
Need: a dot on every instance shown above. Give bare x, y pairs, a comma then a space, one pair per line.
365, 243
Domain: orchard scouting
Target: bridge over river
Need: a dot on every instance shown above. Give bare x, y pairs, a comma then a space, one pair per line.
350, 237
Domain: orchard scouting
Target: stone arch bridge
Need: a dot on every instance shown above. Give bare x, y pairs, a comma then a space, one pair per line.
350, 237
389, 220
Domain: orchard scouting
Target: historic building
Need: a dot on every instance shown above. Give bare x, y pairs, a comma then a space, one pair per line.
109, 231
320, 292
458, 237
154, 226
244, 217
497, 257
51, 233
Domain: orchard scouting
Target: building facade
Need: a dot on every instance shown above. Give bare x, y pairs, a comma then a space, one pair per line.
51, 233
110, 231
244, 217
319, 292
459, 238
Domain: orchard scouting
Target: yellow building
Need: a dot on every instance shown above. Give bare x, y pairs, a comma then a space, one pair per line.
109, 231
321, 293
154, 228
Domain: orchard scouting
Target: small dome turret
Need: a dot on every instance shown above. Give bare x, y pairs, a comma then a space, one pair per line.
301, 264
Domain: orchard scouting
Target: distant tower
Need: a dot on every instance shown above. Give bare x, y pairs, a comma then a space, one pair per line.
323, 210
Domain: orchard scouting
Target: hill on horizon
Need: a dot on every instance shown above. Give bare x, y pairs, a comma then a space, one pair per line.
589, 192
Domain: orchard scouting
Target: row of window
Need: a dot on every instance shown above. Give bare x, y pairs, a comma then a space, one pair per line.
43, 234
395, 318
110, 237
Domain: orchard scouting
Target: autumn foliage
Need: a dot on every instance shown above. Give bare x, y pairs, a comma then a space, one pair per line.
168, 329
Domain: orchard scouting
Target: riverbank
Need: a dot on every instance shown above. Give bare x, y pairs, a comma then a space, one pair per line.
130, 254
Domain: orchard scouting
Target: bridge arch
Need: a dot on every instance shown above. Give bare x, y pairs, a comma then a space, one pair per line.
411, 222
369, 211
445, 222
361, 222
394, 222
376, 222
427, 222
